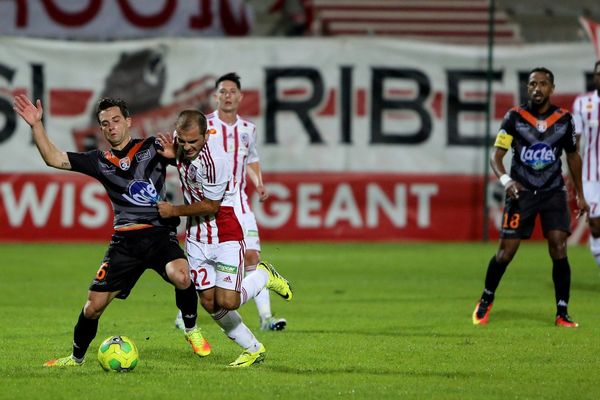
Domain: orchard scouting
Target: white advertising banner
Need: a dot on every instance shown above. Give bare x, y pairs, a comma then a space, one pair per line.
320, 105
359, 139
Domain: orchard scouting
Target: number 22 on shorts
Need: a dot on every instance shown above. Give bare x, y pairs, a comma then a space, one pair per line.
203, 275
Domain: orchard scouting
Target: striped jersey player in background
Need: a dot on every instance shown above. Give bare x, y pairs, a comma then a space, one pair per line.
586, 113
238, 137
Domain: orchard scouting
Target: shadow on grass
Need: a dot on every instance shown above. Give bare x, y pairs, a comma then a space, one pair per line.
369, 371
512, 315
402, 332
593, 287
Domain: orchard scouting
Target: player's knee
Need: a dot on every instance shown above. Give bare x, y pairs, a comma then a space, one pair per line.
181, 279
185, 280
251, 258
208, 304
178, 273
557, 249
504, 256
93, 310
229, 303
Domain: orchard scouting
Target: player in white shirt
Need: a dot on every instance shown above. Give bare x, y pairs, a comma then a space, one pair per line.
586, 113
238, 138
214, 236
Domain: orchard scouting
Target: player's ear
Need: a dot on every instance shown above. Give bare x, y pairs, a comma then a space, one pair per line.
128, 120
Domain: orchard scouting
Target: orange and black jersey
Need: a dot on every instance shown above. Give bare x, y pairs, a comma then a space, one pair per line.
538, 141
134, 179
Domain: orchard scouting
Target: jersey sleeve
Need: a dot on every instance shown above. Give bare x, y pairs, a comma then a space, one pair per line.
86, 163
252, 150
504, 137
577, 120
217, 179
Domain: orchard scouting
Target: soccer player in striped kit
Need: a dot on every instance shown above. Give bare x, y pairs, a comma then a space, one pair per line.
238, 137
214, 236
586, 114
537, 133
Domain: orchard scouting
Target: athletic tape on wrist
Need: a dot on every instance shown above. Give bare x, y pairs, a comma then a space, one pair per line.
505, 179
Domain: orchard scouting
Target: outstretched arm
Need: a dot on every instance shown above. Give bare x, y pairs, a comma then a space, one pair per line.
33, 116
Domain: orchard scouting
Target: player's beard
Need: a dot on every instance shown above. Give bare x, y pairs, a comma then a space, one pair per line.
538, 104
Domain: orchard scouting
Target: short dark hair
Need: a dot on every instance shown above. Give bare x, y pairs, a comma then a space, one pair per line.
596, 65
107, 102
231, 76
543, 70
188, 118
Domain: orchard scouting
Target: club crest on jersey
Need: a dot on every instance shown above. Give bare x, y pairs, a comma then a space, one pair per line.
244, 139
538, 156
193, 171
124, 163
142, 193
541, 125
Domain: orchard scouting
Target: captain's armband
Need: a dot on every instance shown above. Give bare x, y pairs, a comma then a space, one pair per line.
503, 140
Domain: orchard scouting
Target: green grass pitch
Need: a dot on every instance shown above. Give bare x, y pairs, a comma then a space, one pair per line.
368, 321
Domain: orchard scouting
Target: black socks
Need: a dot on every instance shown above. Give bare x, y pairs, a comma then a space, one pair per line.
492, 279
187, 302
561, 275
84, 333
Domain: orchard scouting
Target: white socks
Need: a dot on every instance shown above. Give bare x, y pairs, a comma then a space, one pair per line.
231, 323
263, 304
252, 284
262, 300
595, 247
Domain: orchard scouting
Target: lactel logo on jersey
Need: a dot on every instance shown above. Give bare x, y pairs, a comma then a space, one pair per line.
538, 156
142, 193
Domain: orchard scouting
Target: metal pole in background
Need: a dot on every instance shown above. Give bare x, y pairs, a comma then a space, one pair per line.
488, 117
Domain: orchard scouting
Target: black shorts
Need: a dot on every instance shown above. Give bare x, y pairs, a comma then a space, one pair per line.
131, 253
518, 218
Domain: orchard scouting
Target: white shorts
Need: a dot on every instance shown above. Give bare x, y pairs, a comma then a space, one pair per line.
591, 192
250, 230
220, 265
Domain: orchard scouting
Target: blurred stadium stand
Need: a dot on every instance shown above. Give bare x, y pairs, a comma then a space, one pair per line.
550, 21
464, 21
448, 21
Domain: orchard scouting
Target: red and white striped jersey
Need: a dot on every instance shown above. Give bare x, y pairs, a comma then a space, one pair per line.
587, 118
239, 141
209, 176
